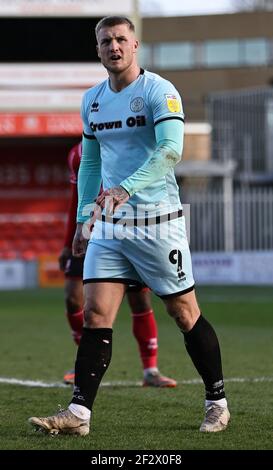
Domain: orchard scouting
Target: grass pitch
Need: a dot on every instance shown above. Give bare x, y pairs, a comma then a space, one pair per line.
35, 344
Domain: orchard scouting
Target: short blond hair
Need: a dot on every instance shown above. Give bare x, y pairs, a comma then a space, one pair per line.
114, 21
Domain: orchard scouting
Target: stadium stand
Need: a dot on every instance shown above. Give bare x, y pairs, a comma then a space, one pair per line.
29, 236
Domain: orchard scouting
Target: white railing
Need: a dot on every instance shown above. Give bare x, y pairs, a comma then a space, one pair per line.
252, 214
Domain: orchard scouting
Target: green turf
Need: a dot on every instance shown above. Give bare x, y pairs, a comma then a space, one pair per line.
35, 344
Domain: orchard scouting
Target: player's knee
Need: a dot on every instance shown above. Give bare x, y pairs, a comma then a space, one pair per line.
184, 313
139, 301
94, 318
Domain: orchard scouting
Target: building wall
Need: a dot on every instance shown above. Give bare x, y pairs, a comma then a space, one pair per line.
198, 28
196, 83
197, 142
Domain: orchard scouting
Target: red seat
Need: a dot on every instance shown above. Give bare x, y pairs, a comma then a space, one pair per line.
28, 255
8, 254
29, 238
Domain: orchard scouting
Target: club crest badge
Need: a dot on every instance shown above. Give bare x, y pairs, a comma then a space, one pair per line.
137, 104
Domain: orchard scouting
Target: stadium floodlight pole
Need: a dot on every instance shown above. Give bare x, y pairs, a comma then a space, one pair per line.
137, 19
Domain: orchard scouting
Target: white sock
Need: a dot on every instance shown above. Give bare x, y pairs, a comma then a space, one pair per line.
222, 403
80, 411
149, 370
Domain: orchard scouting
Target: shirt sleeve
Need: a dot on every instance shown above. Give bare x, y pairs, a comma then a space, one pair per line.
89, 177
168, 116
169, 140
74, 157
71, 220
165, 102
84, 115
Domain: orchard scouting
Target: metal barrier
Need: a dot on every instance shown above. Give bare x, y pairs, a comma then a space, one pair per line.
252, 214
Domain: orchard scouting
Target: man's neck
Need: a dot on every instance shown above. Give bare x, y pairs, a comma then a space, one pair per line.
120, 81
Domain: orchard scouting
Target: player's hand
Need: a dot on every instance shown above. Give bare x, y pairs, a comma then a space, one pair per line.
112, 199
96, 214
63, 257
79, 242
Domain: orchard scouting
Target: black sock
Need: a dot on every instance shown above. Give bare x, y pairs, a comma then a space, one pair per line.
93, 359
203, 347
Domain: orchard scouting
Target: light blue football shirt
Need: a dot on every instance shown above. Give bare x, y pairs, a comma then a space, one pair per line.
123, 124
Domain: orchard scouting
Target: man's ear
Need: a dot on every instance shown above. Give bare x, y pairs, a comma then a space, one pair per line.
97, 48
136, 45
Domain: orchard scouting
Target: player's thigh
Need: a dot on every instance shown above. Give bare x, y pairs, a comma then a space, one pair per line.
107, 272
104, 261
163, 261
101, 303
73, 289
139, 299
73, 284
74, 268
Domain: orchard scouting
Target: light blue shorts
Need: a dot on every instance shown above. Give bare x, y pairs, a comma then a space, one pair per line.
157, 256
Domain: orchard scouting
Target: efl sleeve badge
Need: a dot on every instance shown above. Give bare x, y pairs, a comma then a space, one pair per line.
173, 104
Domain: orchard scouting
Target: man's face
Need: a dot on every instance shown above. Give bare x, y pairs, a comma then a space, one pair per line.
117, 47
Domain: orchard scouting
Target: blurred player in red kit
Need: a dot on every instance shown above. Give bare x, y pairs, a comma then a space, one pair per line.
139, 299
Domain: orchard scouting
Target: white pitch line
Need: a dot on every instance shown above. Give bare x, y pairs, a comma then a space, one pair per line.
125, 383
31, 383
